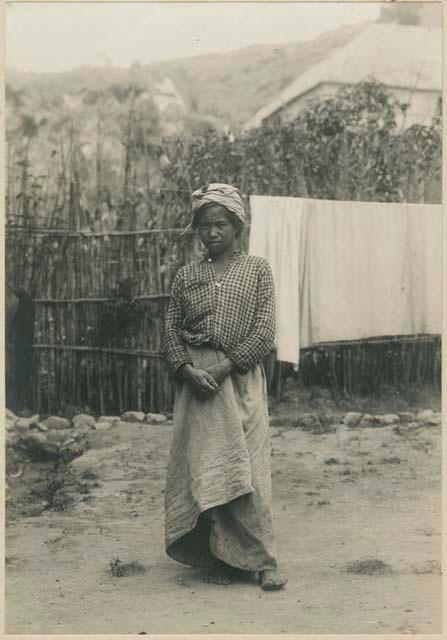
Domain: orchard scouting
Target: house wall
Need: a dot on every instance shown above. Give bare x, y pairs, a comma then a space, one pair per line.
423, 104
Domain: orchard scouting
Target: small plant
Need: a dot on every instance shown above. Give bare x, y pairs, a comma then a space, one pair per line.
392, 460
56, 495
118, 313
119, 569
430, 567
369, 567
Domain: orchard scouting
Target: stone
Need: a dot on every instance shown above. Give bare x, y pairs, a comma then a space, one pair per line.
111, 419
68, 442
274, 432
280, 421
83, 420
10, 424
103, 425
328, 419
34, 444
55, 422
309, 421
387, 419
435, 419
73, 450
367, 420
133, 416
11, 437
65, 447
155, 418
352, 418
406, 416
40, 426
10, 416
58, 437
26, 423
21, 425
423, 416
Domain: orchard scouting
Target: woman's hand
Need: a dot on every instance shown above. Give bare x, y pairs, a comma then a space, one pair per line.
202, 382
220, 370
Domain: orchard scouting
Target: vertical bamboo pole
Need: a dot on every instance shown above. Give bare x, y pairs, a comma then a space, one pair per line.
100, 374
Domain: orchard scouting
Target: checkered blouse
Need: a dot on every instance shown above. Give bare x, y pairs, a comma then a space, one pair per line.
235, 314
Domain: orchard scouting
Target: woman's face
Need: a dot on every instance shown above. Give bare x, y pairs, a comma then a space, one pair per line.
216, 231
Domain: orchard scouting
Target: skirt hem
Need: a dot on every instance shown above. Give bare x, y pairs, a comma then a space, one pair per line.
212, 505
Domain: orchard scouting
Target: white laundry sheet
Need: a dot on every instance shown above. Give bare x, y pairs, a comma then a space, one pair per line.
349, 270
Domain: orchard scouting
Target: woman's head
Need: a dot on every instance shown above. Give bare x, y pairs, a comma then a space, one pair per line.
218, 215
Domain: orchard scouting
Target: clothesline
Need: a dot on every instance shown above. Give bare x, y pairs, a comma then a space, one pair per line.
99, 234
87, 234
419, 337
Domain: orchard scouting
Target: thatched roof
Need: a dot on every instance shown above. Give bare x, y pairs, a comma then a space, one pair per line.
396, 55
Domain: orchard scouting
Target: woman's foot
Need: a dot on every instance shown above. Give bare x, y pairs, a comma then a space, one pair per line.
272, 579
221, 573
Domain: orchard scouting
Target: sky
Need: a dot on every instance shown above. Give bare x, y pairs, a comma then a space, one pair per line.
59, 37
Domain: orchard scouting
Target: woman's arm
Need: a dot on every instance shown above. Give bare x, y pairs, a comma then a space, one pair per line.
253, 349
178, 358
175, 352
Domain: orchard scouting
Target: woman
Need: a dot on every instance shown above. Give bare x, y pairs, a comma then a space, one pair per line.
220, 324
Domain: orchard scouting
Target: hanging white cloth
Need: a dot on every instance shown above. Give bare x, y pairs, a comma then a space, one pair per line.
349, 270
277, 229
373, 269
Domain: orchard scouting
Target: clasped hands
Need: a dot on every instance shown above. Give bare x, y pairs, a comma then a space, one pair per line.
205, 382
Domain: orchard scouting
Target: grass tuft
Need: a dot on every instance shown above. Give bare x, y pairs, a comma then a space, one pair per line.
369, 567
120, 569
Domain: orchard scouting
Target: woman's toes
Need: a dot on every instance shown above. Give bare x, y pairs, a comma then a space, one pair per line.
272, 580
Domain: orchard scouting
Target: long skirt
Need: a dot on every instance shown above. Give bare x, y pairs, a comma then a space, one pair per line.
218, 487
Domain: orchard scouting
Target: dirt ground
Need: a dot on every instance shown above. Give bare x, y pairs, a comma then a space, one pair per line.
340, 498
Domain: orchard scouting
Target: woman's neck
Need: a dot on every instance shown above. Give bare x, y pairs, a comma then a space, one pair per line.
224, 257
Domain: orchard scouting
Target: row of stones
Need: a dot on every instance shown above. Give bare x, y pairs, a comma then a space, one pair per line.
351, 419
57, 438
356, 419
80, 421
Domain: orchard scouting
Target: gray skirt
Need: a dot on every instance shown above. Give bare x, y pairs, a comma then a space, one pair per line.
218, 485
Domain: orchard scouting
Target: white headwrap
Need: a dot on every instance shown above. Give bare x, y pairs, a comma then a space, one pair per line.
218, 193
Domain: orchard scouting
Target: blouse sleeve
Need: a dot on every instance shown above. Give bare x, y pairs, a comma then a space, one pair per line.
253, 349
174, 350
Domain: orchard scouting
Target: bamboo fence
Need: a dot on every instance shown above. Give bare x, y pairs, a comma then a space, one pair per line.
99, 305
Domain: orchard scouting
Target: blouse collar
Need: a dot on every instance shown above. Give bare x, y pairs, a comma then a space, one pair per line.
236, 254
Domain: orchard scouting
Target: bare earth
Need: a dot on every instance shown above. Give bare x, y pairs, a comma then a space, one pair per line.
339, 498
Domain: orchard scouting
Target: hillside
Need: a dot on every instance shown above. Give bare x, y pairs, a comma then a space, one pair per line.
95, 121
229, 87
234, 86
219, 89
